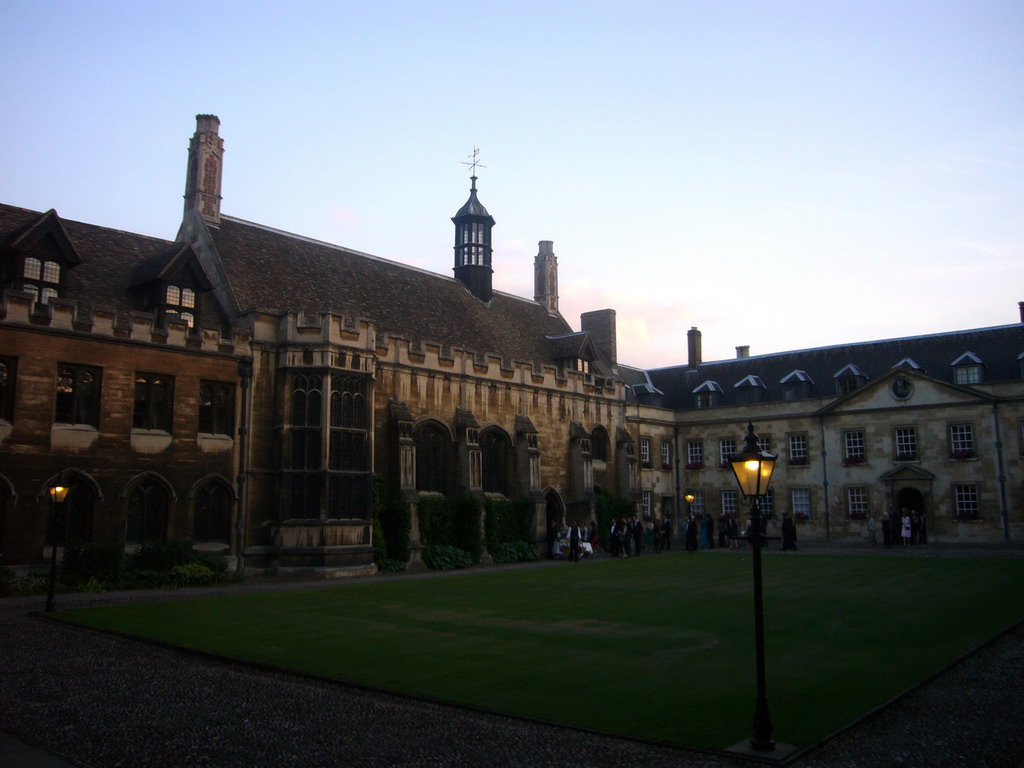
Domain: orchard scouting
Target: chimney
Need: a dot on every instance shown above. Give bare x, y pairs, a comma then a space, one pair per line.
205, 163
743, 351
1020, 306
545, 277
600, 324
693, 347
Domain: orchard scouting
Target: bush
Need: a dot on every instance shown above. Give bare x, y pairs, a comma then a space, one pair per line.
507, 522
392, 525
610, 508
192, 574
391, 566
161, 556
514, 552
146, 579
445, 558
100, 562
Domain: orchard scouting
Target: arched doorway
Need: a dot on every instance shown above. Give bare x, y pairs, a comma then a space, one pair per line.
555, 511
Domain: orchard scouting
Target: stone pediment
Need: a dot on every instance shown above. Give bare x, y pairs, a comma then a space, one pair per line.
907, 472
905, 388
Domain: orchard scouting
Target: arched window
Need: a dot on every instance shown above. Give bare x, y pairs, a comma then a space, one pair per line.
346, 497
494, 448
148, 505
431, 459
212, 513
599, 444
306, 414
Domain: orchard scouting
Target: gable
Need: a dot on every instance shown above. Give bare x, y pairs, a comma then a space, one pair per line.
905, 388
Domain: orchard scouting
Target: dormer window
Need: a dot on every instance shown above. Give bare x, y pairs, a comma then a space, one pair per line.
750, 389
708, 395
796, 385
849, 379
41, 278
968, 369
181, 303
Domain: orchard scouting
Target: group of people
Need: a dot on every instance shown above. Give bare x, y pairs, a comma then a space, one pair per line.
906, 528
633, 536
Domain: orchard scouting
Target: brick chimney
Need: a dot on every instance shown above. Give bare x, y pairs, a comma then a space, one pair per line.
600, 324
743, 352
693, 347
545, 277
1020, 306
205, 163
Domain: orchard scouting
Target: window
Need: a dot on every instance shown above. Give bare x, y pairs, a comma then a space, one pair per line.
853, 447
598, 444
697, 505
216, 407
800, 503
154, 400
726, 449
764, 443
307, 403
857, 502
78, 395
346, 497
695, 454
212, 514
645, 452
306, 491
767, 503
431, 460
646, 496
41, 279
961, 441
494, 451
849, 379
148, 504
181, 303
906, 444
968, 369
8, 378
798, 450
730, 502
666, 455
965, 501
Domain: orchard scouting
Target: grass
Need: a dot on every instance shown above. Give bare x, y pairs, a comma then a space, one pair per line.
656, 647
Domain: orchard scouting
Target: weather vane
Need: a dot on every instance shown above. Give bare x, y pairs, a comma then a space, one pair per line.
476, 163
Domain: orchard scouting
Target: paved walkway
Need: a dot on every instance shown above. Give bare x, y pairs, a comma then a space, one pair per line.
70, 697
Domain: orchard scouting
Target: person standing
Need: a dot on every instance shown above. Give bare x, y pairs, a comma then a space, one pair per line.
666, 534
575, 536
886, 530
872, 534
788, 532
691, 534
906, 531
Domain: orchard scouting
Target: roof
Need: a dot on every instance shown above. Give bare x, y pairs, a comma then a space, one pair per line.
110, 258
275, 271
997, 348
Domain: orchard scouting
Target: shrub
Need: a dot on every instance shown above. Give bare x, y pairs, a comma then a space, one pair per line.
192, 574
146, 579
610, 508
514, 552
99, 562
446, 558
391, 566
392, 525
506, 522
161, 556
466, 527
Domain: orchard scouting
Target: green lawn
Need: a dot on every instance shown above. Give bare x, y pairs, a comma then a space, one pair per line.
656, 647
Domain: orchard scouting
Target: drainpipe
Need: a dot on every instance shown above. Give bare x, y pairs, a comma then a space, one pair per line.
824, 475
678, 499
245, 376
1002, 474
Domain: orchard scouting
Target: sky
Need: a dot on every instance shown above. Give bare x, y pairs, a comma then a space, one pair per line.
783, 175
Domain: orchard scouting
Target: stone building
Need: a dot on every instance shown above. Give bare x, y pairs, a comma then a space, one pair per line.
246, 388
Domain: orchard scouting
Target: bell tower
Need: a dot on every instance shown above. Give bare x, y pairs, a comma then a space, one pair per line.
473, 243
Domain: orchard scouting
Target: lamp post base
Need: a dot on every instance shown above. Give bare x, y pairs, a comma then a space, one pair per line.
780, 753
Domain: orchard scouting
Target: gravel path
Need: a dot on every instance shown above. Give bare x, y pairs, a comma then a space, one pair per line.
105, 702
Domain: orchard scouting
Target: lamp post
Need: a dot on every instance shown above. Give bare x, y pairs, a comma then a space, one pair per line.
57, 495
753, 469
686, 518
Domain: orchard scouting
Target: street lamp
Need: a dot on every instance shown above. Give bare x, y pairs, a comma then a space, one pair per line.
58, 493
753, 469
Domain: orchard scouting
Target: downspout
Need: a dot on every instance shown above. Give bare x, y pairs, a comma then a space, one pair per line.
245, 375
675, 504
824, 475
1002, 474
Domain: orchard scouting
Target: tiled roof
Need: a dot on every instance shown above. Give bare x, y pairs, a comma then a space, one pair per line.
275, 271
110, 258
997, 347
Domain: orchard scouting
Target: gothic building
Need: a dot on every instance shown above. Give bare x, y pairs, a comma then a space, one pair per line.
247, 388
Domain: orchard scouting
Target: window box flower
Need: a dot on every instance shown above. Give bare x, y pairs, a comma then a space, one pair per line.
666, 466
906, 457
645, 465
800, 461
961, 455
858, 516
854, 460
801, 517
695, 465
